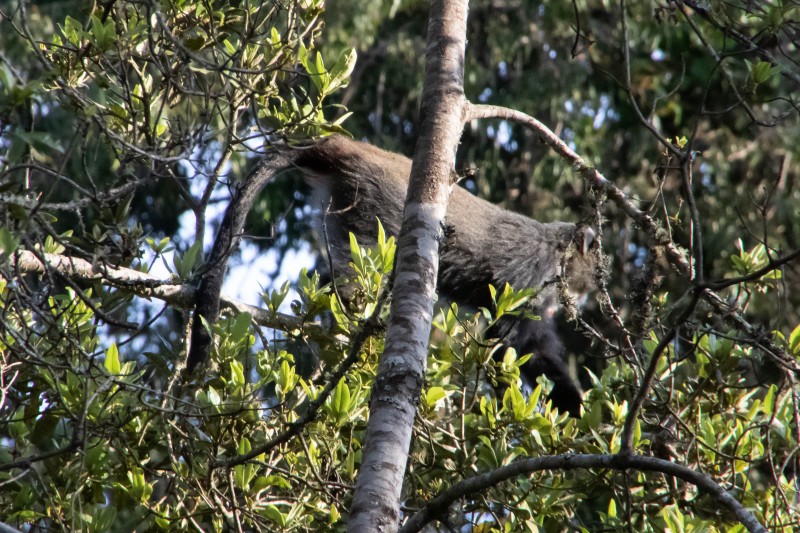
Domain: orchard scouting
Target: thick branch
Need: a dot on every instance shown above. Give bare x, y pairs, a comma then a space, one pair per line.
207, 298
439, 505
591, 175
144, 285
401, 372
26, 462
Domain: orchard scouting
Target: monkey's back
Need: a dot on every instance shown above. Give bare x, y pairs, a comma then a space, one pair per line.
355, 183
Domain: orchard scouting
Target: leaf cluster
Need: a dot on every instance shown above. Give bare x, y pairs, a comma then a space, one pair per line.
85, 424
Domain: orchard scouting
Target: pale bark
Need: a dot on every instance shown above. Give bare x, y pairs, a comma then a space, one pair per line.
144, 285
376, 502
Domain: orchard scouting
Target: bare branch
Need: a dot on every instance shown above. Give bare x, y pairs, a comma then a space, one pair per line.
591, 175
705, 14
145, 285
440, 504
654, 230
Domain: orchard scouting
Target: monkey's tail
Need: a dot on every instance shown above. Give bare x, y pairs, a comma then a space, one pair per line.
206, 309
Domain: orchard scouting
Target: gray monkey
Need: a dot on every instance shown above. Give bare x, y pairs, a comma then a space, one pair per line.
483, 244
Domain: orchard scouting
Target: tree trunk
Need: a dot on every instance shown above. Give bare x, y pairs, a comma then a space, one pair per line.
376, 502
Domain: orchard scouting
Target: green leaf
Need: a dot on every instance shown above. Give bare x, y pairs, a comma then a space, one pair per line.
229, 47
184, 264
340, 73
139, 488
794, 341
275, 514
241, 326
161, 127
8, 242
213, 396
342, 321
356, 254
111, 363
103, 36
612, 508
158, 247
243, 474
276, 297
594, 416
514, 401
286, 379
333, 515
41, 141
320, 75
72, 30
118, 111
673, 517
339, 403
762, 71
275, 37
237, 373
277, 481
302, 54
194, 43
768, 403
433, 395
535, 395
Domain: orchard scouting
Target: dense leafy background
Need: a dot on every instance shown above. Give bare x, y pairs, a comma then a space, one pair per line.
125, 123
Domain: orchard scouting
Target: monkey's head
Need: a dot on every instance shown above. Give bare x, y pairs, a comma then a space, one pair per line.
578, 268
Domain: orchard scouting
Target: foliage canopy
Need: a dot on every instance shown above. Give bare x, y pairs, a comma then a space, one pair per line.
124, 124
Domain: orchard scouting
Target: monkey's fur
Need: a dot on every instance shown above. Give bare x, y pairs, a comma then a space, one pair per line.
356, 183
